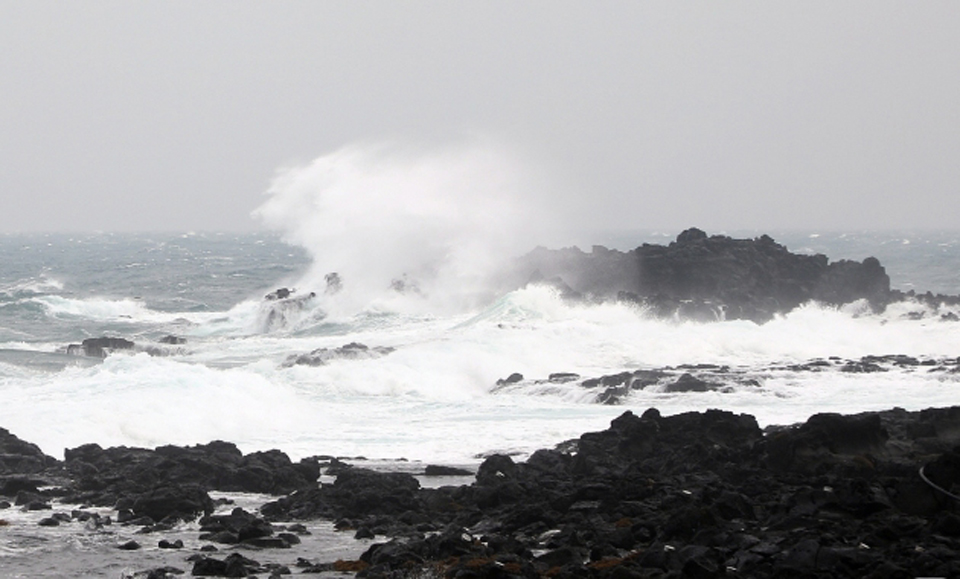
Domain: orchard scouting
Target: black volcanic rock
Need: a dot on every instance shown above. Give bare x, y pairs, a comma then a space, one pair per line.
689, 383
241, 527
100, 347
183, 502
323, 356
687, 495
281, 306
711, 277
697, 494
21, 457
356, 493
123, 475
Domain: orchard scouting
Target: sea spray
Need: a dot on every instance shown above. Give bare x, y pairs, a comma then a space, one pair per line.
406, 226
434, 397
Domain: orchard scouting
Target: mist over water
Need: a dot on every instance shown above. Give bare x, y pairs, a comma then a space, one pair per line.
444, 221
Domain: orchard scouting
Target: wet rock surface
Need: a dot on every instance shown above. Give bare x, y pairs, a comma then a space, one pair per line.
173, 481
100, 347
20, 457
148, 487
693, 378
105, 346
323, 356
282, 307
707, 278
698, 494
693, 495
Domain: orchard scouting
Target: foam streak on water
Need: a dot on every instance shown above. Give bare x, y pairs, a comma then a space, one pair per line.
434, 397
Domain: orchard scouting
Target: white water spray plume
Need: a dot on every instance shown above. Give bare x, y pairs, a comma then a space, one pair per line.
438, 223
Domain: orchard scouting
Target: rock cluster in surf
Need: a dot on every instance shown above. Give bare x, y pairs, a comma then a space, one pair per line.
711, 277
614, 388
323, 356
106, 345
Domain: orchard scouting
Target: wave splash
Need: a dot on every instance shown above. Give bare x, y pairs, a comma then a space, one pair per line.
405, 227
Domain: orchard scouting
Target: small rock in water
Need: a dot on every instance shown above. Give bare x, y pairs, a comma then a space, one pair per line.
279, 294
129, 546
99, 347
334, 283
689, 383
511, 379
351, 351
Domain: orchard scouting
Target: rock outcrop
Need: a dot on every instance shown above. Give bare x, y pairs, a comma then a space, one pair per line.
323, 356
281, 308
710, 277
148, 486
99, 347
693, 495
698, 494
21, 457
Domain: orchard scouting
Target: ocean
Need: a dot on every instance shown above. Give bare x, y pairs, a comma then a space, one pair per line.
434, 397
427, 392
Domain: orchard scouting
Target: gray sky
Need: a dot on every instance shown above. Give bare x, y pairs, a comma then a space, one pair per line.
123, 116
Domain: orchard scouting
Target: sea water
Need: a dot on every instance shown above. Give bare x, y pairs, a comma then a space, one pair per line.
433, 399
435, 396
441, 226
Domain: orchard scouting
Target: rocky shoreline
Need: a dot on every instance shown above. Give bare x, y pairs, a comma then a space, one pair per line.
692, 495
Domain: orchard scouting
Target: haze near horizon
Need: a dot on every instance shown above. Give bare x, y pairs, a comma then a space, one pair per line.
179, 116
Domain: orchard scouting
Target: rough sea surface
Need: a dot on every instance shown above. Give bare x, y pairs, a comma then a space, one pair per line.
432, 398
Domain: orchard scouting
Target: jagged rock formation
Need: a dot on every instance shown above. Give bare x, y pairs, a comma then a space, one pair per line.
698, 494
692, 495
323, 356
99, 347
711, 277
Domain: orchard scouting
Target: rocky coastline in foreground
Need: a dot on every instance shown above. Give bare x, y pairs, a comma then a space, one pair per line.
698, 494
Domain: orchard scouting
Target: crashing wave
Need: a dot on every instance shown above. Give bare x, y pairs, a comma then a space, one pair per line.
283, 309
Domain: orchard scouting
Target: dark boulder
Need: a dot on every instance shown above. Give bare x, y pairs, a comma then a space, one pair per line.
279, 294
21, 457
100, 347
184, 502
689, 383
106, 474
323, 356
281, 307
235, 565
826, 440
130, 546
511, 379
243, 528
495, 469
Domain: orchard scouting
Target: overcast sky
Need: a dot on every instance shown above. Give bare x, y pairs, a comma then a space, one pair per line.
146, 116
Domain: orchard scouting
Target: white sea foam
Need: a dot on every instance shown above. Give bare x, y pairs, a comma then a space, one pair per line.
94, 308
30, 286
442, 220
125, 310
435, 396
